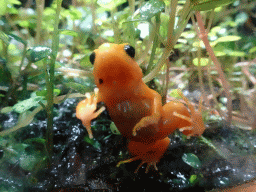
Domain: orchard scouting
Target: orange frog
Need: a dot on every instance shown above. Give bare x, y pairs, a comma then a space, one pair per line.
136, 109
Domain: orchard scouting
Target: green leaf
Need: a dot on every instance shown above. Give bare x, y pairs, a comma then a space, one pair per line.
93, 142
13, 152
236, 53
114, 129
27, 104
130, 32
56, 92
4, 37
188, 34
19, 147
252, 50
215, 30
69, 32
24, 119
6, 110
3, 142
228, 38
174, 93
44, 93
203, 61
199, 44
192, 160
14, 2
150, 9
193, 179
219, 53
34, 156
78, 87
18, 39
36, 144
110, 4
72, 13
35, 141
35, 54
235, 79
29, 162
3, 7
58, 64
178, 46
204, 5
24, 23
241, 18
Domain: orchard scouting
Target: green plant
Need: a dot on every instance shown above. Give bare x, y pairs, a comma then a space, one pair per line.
44, 56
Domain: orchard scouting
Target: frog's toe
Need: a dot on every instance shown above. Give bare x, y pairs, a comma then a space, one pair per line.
149, 164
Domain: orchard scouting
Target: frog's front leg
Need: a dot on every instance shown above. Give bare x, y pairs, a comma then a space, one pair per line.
154, 118
145, 122
86, 110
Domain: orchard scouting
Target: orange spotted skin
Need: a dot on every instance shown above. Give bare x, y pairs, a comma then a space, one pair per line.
136, 109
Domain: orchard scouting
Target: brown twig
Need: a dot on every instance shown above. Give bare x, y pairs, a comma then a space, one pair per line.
213, 95
245, 69
203, 35
200, 76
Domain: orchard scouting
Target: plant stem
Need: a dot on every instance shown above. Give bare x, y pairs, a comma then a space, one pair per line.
94, 16
115, 26
130, 25
167, 79
203, 35
210, 21
50, 87
169, 45
200, 75
155, 43
212, 90
131, 5
170, 32
39, 10
161, 62
171, 40
24, 86
23, 57
185, 10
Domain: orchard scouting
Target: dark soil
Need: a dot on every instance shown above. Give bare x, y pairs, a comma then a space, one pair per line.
82, 165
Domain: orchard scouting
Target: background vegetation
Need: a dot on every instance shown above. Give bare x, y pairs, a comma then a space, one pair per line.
202, 47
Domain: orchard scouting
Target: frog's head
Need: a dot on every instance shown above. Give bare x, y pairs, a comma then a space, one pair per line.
115, 67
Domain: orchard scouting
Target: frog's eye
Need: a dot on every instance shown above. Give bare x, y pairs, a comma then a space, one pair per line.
92, 58
129, 50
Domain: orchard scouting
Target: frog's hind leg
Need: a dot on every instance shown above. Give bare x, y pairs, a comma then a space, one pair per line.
127, 161
171, 122
149, 153
196, 127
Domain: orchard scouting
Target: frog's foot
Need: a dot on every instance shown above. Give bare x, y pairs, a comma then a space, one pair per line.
148, 166
145, 122
136, 158
189, 128
127, 161
86, 110
197, 125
